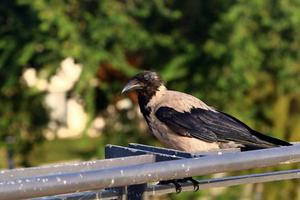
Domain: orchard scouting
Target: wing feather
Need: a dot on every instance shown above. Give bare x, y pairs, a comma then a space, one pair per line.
213, 126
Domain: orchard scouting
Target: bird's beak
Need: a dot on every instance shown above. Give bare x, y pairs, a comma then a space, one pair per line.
132, 85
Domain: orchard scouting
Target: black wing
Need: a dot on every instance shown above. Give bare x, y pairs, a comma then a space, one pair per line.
214, 126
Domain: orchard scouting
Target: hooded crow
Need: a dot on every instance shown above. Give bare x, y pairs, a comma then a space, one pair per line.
184, 122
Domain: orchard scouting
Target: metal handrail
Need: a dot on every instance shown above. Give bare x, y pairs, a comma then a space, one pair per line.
157, 189
54, 184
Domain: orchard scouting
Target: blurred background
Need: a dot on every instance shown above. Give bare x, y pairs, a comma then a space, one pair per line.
63, 64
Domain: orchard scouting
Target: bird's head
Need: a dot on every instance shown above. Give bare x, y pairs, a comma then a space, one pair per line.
145, 83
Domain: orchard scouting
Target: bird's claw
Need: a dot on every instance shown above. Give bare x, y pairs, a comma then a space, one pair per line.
195, 183
178, 187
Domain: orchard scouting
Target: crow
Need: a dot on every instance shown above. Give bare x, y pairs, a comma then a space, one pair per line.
186, 123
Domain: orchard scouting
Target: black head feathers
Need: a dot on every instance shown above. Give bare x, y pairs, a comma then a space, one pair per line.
146, 84
148, 78
143, 82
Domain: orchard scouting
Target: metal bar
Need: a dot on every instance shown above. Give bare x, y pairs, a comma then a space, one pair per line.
115, 151
160, 150
216, 152
143, 173
182, 154
227, 181
99, 194
6, 175
203, 184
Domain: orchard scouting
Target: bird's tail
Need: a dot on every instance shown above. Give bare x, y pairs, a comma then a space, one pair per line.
265, 141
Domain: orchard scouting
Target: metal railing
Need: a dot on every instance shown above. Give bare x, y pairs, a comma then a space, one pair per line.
127, 172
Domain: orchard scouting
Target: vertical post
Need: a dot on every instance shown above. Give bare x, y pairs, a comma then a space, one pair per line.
136, 192
10, 152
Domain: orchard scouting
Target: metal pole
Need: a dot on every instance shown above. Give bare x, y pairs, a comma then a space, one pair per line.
7, 175
143, 173
10, 152
227, 181
203, 184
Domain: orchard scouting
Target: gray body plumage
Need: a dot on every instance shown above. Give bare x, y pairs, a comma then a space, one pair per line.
183, 102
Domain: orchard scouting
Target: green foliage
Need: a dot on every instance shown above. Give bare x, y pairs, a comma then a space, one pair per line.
263, 60
243, 57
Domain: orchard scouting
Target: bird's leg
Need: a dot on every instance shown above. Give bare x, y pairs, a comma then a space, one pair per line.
177, 182
174, 182
194, 182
